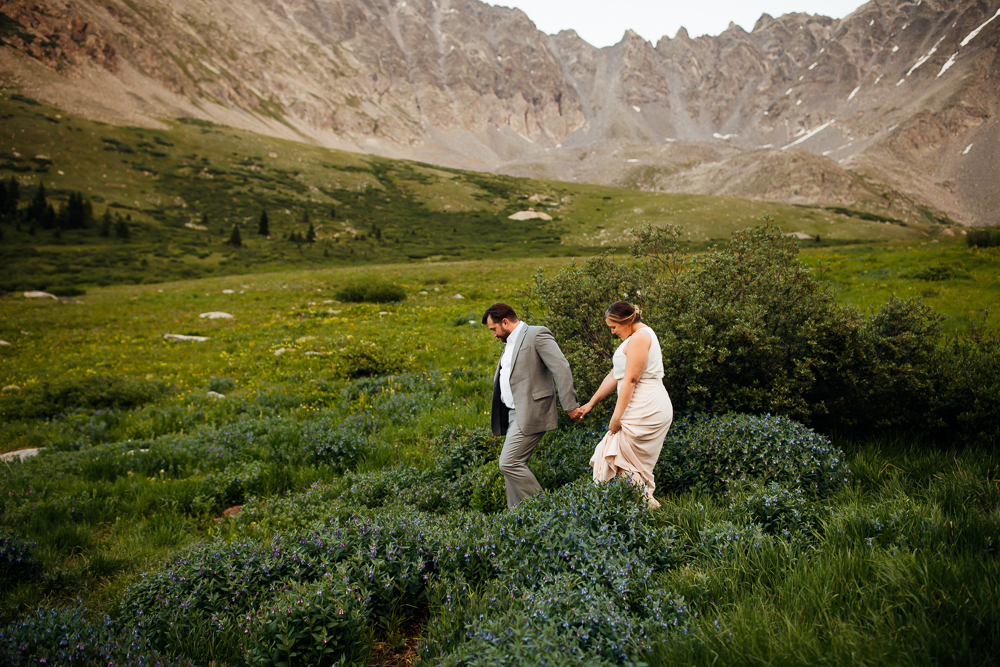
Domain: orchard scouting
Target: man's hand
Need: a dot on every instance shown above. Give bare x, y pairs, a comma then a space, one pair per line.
580, 412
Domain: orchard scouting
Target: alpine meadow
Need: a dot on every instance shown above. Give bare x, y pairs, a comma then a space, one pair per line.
246, 394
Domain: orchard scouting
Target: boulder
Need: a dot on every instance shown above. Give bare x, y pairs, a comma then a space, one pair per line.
10, 387
3, 342
458, 296
217, 315
530, 214
196, 339
35, 294
228, 291
20, 454
215, 394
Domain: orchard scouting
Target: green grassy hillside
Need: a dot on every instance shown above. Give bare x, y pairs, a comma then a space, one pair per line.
180, 191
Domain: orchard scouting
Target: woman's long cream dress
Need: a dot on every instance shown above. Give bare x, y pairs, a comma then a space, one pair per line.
634, 449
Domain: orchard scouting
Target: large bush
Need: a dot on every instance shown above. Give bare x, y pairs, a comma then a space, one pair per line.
749, 328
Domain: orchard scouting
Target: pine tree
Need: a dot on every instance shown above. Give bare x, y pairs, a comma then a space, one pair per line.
106, 223
235, 239
263, 226
49, 217
122, 230
75, 216
13, 196
311, 234
36, 210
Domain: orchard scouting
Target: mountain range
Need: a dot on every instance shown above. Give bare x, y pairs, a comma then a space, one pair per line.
891, 110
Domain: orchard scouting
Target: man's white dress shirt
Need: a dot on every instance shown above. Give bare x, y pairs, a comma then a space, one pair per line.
507, 364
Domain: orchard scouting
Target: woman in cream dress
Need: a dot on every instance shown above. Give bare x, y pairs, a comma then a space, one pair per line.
643, 411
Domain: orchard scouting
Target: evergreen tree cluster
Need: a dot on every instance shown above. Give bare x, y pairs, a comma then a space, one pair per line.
76, 213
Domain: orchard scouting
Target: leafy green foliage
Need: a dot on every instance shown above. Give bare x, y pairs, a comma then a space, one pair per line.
711, 455
312, 624
749, 328
370, 291
17, 562
489, 491
68, 636
365, 358
47, 399
983, 237
776, 509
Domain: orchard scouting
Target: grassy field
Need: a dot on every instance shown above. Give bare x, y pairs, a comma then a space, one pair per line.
183, 188
897, 565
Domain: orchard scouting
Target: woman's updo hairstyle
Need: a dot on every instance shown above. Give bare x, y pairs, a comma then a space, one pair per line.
623, 312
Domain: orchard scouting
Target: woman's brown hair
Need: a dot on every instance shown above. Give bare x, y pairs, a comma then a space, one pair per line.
623, 312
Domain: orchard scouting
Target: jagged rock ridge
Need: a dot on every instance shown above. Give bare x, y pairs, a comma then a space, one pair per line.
894, 106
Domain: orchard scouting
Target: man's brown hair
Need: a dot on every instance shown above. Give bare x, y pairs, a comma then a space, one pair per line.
498, 312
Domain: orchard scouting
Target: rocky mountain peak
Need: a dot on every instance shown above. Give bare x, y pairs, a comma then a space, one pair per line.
904, 93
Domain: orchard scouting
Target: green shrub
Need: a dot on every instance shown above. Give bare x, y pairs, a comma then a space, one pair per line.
965, 404
777, 510
489, 491
463, 450
66, 290
221, 385
712, 454
366, 358
310, 624
983, 237
17, 561
749, 328
563, 455
48, 399
938, 273
232, 485
69, 637
370, 291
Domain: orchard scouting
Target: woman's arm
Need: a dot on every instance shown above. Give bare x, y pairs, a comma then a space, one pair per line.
635, 364
608, 385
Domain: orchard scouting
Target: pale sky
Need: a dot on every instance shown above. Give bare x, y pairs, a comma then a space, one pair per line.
603, 22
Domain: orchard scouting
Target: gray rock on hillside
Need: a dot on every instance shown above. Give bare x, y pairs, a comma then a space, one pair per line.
217, 315
180, 337
36, 294
20, 454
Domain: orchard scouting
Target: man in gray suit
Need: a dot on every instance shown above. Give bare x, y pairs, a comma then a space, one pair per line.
524, 402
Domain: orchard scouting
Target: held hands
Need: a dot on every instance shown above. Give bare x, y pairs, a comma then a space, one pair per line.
579, 413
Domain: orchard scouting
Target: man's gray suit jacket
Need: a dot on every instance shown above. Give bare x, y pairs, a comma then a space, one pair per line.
538, 362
